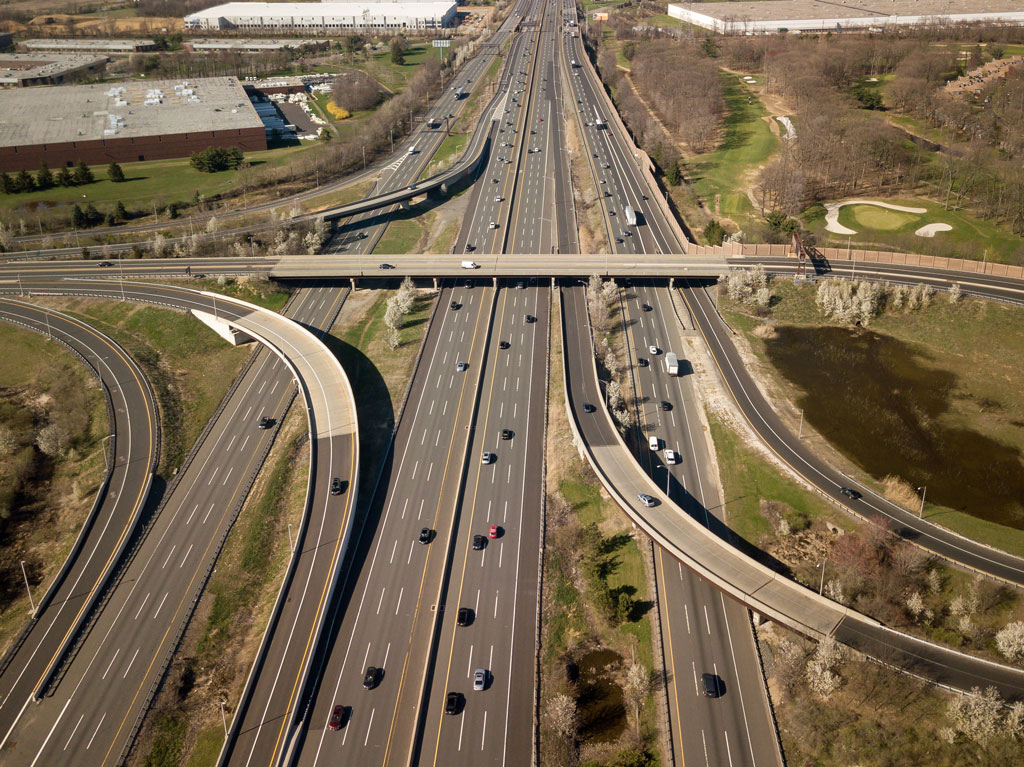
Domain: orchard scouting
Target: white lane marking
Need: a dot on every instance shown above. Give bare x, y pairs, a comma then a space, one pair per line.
381, 600
686, 612
496, 604
80, 718
483, 732
462, 726
50, 734
141, 606
409, 558
96, 731
387, 652
132, 661
192, 514
169, 554
419, 514
116, 653
469, 663
207, 516
244, 443
414, 468
369, 727
399, 604
743, 706
706, 621
160, 605
404, 507
213, 476
185, 557
430, 470
393, 549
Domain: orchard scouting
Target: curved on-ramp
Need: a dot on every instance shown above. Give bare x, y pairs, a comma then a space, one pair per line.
715, 559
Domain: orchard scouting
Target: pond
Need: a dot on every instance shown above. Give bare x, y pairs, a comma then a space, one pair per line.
881, 402
599, 699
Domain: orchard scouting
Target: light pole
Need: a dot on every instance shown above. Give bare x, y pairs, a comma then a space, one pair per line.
106, 461
924, 490
291, 541
800, 432
223, 719
49, 334
29, 590
821, 586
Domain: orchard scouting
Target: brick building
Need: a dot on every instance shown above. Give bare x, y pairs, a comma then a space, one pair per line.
124, 122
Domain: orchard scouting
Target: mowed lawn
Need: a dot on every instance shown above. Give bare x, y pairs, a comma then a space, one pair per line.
747, 142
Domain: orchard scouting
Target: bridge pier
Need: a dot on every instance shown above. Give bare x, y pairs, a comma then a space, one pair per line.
352, 282
494, 281
435, 282
404, 204
671, 282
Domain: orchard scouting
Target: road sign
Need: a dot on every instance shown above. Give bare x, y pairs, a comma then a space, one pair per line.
442, 43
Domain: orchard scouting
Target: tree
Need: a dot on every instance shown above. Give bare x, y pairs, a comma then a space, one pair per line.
954, 293
406, 295
114, 173
82, 175
392, 338
212, 225
624, 605
672, 173
399, 45
78, 218
1010, 641
119, 211
64, 177
714, 233
24, 182
6, 183
53, 439
44, 179
92, 216
214, 159
976, 715
392, 314
562, 717
628, 50
636, 691
158, 245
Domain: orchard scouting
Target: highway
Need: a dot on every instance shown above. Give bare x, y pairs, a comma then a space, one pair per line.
90, 715
134, 446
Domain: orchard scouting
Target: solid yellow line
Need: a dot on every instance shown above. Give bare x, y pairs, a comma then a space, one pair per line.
138, 500
472, 515
437, 511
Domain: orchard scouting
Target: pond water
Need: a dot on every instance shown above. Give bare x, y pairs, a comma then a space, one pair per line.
878, 400
599, 699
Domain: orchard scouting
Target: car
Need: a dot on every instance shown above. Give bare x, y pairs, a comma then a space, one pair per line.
642, 362
455, 305
451, 702
487, 457
618, 240
464, 616
595, 153
605, 165
645, 499
337, 487
411, 186
362, 235
494, 531
105, 263
504, 345
479, 543
588, 408
666, 405
506, 434
479, 679
468, 284
520, 284
653, 349
385, 266
850, 493
494, 180
460, 366
372, 677
646, 307
710, 685
671, 456
470, 247
654, 443
540, 119
498, 198
266, 422
493, 225
530, 318
426, 535
199, 276
339, 716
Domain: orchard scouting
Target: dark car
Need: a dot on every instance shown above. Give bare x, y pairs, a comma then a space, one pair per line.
426, 535
530, 318
105, 263
666, 405
849, 493
641, 362
385, 266
266, 422
470, 247
506, 434
504, 345
465, 616
588, 408
338, 717
452, 703
337, 486
372, 677
647, 307
710, 686
479, 543
455, 305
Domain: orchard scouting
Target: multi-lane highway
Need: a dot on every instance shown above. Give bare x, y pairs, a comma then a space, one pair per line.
90, 715
134, 445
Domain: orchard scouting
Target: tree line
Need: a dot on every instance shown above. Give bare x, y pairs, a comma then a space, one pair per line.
44, 178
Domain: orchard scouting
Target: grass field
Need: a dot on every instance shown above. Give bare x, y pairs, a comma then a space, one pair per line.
401, 236
971, 237
978, 342
449, 151
747, 143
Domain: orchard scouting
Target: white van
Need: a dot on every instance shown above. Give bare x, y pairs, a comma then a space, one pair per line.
655, 443
470, 265
412, 150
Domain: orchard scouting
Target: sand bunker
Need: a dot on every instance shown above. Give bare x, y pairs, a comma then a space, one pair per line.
832, 214
929, 230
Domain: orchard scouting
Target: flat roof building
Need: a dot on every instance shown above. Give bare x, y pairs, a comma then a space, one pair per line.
325, 18
771, 16
125, 122
91, 45
21, 70
249, 46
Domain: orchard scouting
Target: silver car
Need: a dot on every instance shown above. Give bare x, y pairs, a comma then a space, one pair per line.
479, 679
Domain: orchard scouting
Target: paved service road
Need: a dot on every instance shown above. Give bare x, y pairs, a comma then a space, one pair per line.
91, 714
134, 445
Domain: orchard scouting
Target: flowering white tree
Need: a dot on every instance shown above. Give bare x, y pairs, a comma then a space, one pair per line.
1010, 641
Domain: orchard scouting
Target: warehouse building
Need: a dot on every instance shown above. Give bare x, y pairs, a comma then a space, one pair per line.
771, 16
242, 45
125, 122
90, 45
21, 70
325, 18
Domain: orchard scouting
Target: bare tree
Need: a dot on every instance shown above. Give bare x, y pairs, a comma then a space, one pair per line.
54, 439
636, 691
8, 442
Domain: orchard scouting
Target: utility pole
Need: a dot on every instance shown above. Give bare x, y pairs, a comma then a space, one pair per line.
29, 590
223, 719
291, 541
800, 433
924, 491
821, 586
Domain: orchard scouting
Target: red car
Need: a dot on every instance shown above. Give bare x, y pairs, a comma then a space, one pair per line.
337, 718
540, 119
494, 531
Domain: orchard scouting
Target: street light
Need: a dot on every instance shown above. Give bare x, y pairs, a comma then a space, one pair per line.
223, 719
29, 590
924, 490
821, 586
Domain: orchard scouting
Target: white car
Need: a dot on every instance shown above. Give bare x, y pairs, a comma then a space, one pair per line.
487, 458
671, 456
654, 350
498, 198
646, 500
493, 225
